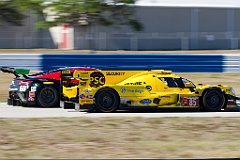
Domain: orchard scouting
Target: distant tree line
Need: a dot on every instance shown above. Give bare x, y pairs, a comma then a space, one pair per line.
71, 12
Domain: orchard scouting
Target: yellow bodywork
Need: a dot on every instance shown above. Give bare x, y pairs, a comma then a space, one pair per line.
140, 88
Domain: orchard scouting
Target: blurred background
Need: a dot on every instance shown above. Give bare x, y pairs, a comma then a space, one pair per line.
163, 25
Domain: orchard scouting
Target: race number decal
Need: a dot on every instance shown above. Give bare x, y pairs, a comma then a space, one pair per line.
189, 101
97, 79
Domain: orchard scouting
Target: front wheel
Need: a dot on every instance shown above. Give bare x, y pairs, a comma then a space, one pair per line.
107, 100
213, 100
48, 97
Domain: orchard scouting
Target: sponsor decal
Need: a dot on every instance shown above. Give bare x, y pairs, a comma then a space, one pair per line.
31, 99
124, 90
87, 91
35, 84
189, 101
66, 72
86, 100
31, 93
146, 101
83, 83
64, 82
136, 91
135, 83
97, 79
115, 73
81, 96
23, 84
84, 73
164, 97
89, 96
34, 88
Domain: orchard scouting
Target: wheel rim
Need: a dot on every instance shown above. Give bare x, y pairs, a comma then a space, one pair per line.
213, 100
106, 101
47, 96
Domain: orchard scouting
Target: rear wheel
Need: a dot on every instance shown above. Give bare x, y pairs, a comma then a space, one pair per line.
48, 97
213, 100
107, 100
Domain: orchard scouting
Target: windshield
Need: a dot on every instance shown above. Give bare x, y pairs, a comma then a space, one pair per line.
176, 82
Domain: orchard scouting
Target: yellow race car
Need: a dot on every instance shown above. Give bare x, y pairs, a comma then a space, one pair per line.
108, 91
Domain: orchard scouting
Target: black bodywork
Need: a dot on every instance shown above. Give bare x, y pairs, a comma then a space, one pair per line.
41, 89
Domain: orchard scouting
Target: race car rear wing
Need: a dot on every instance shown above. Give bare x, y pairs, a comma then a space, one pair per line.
16, 71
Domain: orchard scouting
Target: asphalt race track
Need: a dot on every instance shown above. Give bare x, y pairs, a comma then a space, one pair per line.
33, 112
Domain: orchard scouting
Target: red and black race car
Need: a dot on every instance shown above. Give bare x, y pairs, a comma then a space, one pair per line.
41, 89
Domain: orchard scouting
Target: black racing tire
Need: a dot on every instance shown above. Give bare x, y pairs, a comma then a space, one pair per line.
48, 97
107, 100
213, 100
10, 101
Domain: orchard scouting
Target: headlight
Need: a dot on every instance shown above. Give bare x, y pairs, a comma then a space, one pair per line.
232, 90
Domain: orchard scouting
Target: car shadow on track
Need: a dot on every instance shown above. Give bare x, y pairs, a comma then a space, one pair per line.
38, 107
143, 110
159, 110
